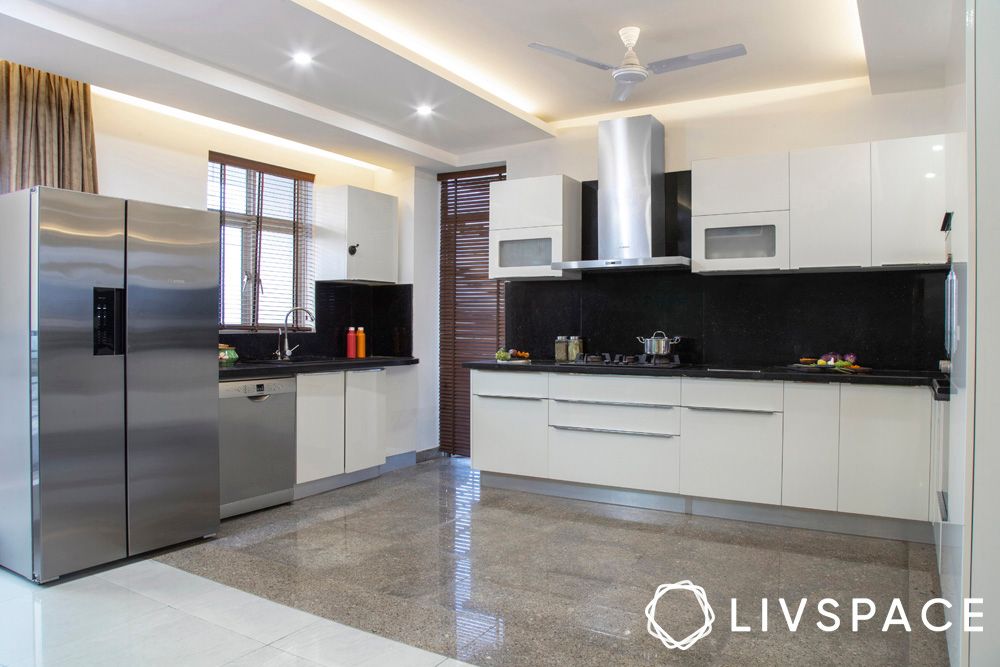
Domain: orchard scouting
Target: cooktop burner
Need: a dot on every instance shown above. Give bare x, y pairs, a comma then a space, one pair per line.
608, 359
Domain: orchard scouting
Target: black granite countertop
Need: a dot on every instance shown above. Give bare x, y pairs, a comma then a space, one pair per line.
243, 370
898, 378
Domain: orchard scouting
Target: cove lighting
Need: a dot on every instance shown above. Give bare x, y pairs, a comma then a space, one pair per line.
239, 130
408, 39
302, 58
425, 110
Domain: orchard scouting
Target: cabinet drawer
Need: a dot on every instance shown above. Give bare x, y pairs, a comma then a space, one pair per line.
615, 389
511, 383
731, 455
758, 395
604, 416
509, 435
614, 459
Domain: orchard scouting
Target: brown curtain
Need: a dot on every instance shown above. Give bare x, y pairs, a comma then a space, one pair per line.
472, 305
46, 131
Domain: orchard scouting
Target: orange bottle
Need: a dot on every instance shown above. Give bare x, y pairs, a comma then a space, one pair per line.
362, 353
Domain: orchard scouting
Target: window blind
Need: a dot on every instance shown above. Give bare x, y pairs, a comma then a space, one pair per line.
265, 232
472, 305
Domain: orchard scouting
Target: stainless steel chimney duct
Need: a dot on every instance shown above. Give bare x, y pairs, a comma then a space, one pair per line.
630, 200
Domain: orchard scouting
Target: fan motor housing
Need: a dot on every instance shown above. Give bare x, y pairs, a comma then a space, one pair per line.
630, 74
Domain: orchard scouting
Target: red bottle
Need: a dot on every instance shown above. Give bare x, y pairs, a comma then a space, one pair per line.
352, 343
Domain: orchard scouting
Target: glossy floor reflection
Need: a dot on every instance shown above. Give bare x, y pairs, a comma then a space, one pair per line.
427, 557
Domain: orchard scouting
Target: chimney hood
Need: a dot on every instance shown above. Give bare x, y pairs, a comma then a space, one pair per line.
632, 228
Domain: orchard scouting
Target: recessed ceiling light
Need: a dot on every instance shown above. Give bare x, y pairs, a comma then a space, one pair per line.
937, 147
302, 58
425, 110
930, 174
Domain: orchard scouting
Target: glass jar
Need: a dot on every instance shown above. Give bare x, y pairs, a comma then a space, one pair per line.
562, 348
575, 347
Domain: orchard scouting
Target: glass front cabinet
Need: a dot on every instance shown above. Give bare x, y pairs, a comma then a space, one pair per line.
740, 242
533, 223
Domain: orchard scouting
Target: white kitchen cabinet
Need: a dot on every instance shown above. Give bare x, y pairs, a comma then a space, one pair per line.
625, 460
355, 235
761, 396
744, 184
620, 389
365, 412
811, 445
908, 201
533, 223
663, 420
885, 440
319, 426
731, 454
740, 242
830, 207
510, 434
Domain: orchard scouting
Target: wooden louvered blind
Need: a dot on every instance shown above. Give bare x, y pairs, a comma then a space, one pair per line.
472, 305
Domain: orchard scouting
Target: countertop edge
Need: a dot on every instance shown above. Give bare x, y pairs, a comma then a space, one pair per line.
250, 370
906, 378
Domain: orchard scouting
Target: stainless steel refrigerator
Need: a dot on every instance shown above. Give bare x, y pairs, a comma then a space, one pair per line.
109, 376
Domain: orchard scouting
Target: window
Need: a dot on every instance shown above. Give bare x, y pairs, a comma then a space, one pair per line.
472, 305
265, 262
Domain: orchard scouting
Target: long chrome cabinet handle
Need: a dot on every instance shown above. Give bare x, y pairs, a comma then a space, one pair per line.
618, 403
613, 430
744, 410
513, 398
365, 370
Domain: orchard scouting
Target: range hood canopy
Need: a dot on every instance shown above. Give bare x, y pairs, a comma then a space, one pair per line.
632, 228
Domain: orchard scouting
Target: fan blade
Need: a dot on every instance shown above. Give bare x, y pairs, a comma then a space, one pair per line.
571, 56
699, 58
621, 91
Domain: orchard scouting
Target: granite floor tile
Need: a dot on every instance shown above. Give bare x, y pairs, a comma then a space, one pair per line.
428, 558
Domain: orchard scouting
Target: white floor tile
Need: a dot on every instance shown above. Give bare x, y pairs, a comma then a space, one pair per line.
268, 656
13, 585
336, 645
248, 614
34, 624
161, 582
167, 637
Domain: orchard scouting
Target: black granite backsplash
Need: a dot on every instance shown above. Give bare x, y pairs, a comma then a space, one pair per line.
891, 319
385, 311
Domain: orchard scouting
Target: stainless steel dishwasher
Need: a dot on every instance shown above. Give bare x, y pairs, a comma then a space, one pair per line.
256, 444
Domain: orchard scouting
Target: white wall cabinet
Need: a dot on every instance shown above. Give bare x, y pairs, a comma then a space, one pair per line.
533, 223
908, 201
356, 235
744, 184
731, 454
885, 439
365, 412
319, 426
830, 207
740, 242
811, 445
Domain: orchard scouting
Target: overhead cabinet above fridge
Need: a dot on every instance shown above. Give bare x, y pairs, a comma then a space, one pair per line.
857, 206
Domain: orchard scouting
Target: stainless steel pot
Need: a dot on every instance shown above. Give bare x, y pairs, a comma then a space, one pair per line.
658, 343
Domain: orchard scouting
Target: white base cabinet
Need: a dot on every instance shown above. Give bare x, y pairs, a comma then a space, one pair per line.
811, 445
365, 410
731, 454
885, 439
319, 426
619, 459
510, 435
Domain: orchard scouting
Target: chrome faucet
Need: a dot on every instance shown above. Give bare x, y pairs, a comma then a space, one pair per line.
283, 351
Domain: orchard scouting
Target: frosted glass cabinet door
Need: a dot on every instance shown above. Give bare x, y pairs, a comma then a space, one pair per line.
830, 210
908, 201
526, 253
739, 242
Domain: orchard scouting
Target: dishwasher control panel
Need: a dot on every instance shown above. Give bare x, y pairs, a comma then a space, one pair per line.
256, 387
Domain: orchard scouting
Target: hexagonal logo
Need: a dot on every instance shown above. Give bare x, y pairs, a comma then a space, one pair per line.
654, 628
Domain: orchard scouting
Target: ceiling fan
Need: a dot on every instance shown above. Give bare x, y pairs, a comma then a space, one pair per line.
631, 71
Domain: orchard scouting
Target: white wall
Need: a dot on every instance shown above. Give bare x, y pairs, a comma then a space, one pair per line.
150, 156
794, 118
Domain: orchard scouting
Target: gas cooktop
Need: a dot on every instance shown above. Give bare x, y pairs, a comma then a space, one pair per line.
608, 359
